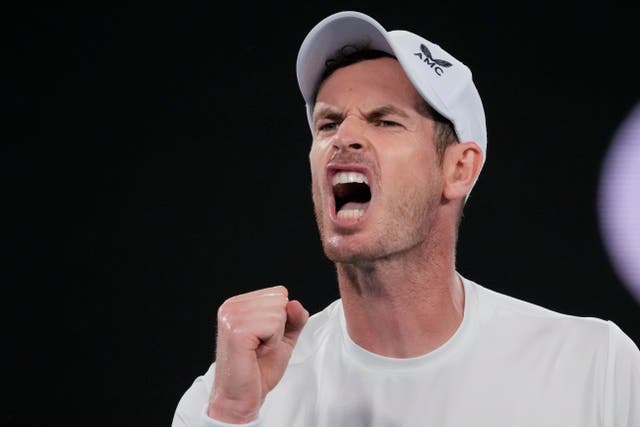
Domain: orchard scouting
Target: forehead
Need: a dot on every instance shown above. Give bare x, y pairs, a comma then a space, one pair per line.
371, 81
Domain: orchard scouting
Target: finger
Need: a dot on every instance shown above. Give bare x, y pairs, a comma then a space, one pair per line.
297, 317
278, 290
255, 320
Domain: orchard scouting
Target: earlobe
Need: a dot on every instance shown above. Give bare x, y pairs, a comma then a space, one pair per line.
461, 164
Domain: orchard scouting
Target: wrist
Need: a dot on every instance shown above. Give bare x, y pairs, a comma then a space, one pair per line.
232, 411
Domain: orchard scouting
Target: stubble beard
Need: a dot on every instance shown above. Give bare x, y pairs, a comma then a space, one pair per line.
407, 225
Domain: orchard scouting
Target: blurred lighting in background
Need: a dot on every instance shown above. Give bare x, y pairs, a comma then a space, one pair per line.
619, 202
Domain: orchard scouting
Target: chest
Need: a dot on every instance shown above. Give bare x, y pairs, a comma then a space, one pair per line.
481, 392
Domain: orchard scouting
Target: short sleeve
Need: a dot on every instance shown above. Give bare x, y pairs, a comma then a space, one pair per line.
622, 388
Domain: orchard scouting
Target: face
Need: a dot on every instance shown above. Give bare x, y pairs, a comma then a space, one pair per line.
376, 179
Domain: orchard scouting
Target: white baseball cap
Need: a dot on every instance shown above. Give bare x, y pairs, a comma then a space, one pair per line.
442, 80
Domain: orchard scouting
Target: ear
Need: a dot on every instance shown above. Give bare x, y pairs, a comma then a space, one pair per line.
461, 166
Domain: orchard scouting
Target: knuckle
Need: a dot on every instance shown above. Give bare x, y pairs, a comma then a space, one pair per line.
228, 316
283, 289
224, 309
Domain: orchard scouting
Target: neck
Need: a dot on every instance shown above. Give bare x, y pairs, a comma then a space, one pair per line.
403, 306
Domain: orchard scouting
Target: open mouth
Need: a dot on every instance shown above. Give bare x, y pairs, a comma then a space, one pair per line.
352, 194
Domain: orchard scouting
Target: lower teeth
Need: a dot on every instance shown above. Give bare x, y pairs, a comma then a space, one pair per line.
350, 213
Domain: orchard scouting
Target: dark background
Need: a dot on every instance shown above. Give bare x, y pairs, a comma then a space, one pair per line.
155, 163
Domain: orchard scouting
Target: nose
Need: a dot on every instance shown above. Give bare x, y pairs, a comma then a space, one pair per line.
350, 134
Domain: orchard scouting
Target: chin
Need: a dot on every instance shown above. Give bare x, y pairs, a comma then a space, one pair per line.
344, 250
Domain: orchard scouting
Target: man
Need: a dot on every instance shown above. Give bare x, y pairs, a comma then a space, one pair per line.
399, 140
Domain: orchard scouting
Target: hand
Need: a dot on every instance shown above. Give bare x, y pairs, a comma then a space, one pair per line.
257, 332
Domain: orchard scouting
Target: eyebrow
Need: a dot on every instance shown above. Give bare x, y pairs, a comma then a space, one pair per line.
327, 112
331, 113
385, 110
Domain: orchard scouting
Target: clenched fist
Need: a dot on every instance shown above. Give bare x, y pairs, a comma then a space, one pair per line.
257, 332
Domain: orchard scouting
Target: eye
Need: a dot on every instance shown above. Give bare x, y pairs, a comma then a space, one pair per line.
387, 123
327, 126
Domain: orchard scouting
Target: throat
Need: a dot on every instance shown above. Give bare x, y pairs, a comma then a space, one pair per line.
404, 324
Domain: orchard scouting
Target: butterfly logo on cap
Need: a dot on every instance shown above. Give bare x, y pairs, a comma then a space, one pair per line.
435, 64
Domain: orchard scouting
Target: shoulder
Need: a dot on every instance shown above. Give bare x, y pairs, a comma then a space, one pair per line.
507, 315
319, 329
510, 326
493, 303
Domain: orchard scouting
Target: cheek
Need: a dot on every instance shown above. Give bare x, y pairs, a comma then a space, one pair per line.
316, 170
313, 163
409, 168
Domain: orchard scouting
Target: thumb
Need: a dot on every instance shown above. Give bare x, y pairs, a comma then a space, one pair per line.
297, 317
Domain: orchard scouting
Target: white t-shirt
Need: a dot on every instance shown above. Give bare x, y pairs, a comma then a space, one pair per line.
510, 363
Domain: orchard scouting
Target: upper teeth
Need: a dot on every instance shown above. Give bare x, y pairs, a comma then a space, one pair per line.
347, 177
